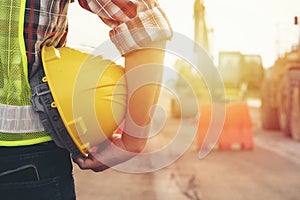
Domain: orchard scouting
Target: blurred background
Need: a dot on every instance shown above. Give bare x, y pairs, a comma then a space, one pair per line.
254, 45
262, 27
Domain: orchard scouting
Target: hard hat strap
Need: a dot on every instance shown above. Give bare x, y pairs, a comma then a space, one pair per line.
41, 100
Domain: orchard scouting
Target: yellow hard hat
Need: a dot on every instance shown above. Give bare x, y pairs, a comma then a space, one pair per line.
89, 93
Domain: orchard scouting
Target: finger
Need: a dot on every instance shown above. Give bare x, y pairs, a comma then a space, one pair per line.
91, 163
87, 163
100, 168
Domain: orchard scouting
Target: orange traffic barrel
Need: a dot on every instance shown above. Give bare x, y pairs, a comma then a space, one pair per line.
236, 132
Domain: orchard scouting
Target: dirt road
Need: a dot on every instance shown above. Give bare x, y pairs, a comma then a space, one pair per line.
270, 171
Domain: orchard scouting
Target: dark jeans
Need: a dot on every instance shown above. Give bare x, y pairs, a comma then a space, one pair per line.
41, 172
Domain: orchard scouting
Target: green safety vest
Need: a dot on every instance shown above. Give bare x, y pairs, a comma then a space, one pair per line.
19, 124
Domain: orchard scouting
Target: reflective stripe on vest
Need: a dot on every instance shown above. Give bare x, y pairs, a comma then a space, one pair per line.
19, 119
19, 125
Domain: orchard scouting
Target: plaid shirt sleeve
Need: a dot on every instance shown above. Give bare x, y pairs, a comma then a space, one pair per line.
135, 23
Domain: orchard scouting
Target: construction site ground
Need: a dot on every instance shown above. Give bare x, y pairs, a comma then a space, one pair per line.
270, 171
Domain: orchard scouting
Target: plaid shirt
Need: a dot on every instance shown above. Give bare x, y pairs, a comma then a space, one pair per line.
46, 24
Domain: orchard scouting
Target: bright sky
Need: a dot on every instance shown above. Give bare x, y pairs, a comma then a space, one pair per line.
262, 27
